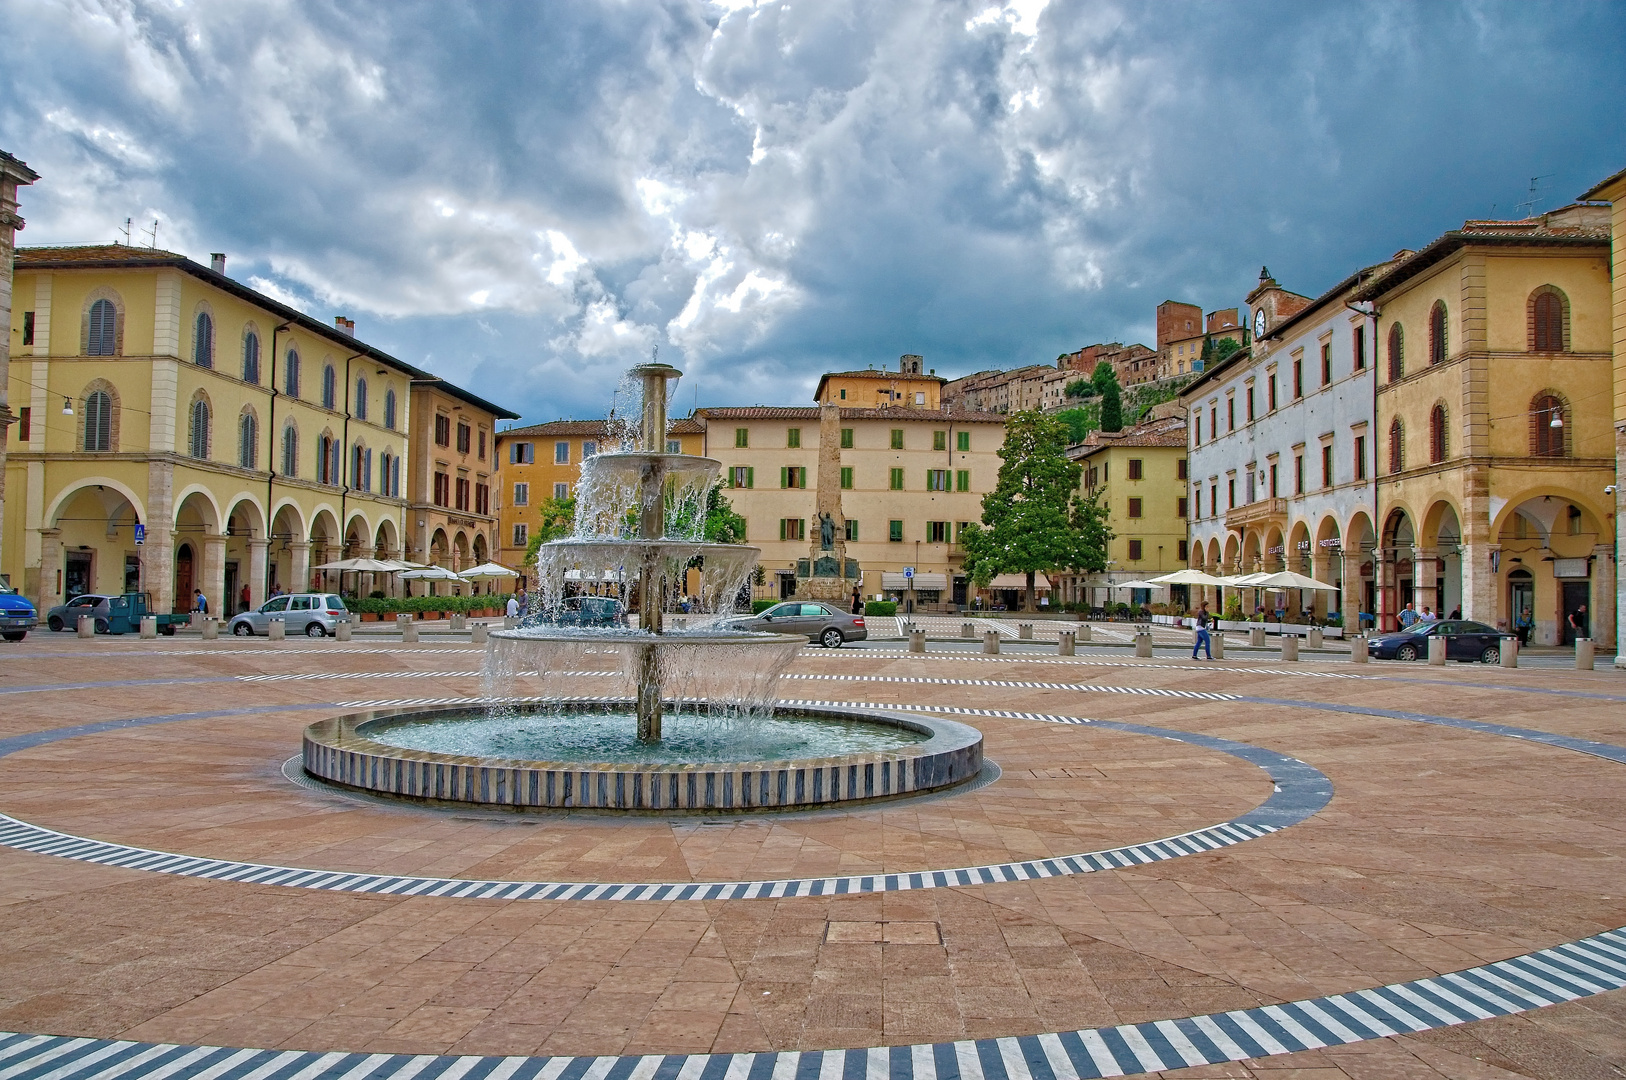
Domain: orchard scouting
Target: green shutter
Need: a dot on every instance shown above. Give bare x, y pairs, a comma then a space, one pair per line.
964, 439
962, 480
751, 476
846, 478
784, 477
783, 522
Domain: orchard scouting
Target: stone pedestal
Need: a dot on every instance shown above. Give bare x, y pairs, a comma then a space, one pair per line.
917, 641
1359, 651
1290, 647
1084, 632
1436, 652
341, 631
1217, 640
990, 641
276, 629
1143, 644
1064, 643
1256, 636
87, 626
1585, 653
408, 628
149, 626
1510, 652
1024, 631
461, 621
968, 630
210, 627
478, 634
1317, 638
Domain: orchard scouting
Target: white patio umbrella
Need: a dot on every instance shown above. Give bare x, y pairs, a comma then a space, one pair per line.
1287, 579
1137, 585
430, 574
1190, 577
362, 565
487, 570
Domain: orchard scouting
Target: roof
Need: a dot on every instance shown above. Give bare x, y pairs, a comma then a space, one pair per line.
878, 376
885, 412
683, 425
1168, 432
1595, 193
120, 257
17, 168
461, 394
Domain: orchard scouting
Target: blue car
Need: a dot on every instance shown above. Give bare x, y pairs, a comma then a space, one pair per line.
17, 615
1464, 641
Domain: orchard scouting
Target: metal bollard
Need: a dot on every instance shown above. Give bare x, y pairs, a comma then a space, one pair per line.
1083, 631
87, 626
478, 634
1317, 638
460, 621
341, 630
276, 629
990, 641
1024, 631
1064, 643
1143, 643
968, 630
1218, 641
917, 640
210, 628
1585, 653
1510, 652
1359, 651
149, 626
1436, 652
1290, 647
1256, 636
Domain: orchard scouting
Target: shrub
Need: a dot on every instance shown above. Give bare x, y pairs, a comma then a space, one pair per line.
1233, 608
880, 607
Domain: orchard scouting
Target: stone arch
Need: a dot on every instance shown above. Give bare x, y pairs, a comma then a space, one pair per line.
385, 538
460, 551
1213, 564
98, 430
440, 548
1253, 551
204, 332
482, 551
1233, 552
197, 499
116, 344
358, 532
1301, 550
1441, 513
54, 510
288, 522
1547, 320
1274, 551
245, 516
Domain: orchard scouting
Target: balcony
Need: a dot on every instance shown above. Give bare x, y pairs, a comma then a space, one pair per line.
1255, 512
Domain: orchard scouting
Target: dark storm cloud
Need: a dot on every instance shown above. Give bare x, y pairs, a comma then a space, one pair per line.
526, 197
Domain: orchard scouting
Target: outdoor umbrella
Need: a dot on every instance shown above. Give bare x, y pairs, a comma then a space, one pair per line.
430, 574
487, 570
1136, 585
377, 566
1190, 577
1287, 579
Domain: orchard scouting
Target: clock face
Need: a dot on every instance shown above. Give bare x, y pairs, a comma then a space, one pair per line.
1259, 323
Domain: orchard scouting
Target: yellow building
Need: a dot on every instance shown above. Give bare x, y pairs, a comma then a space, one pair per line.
452, 516
1142, 474
905, 388
1493, 432
13, 174
178, 430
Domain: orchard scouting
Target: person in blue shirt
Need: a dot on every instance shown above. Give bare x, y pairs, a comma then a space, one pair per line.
1407, 617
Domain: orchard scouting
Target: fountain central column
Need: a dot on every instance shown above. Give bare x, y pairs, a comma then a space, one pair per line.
651, 525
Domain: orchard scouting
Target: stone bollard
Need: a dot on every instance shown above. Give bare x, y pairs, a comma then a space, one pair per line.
1510, 652
1585, 653
149, 626
1359, 651
990, 641
211, 629
460, 621
341, 630
1317, 638
478, 634
968, 630
87, 626
1290, 647
276, 629
1217, 639
1083, 631
1436, 652
917, 640
1064, 643
1256, 636
1024, 631
1143, 643
408, 628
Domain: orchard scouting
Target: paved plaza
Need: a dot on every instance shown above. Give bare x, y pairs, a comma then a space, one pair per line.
1189, 869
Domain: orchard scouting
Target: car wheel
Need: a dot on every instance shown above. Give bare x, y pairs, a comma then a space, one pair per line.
103, 626
16, 635
831, 638
242, 629
169, 630
315, 630
1406, 652
1491, 655
55, 623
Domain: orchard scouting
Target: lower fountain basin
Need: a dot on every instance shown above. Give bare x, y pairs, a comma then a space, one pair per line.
894, 755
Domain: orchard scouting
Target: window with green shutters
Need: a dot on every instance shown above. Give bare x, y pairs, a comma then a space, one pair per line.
894, 531
852, 531
846, 478
937, 532
963, 440
937, 479
742, 436
792, 476
742, 476
793, 438
897, 479
897, 438
792, 529
962, 480
939, 440
846, 438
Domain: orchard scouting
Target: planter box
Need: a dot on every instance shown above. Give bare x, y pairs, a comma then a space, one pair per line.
369, 616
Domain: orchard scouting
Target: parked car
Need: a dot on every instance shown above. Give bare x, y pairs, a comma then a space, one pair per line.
826, 624
584, 611
1464, 641
17, 615
311, 614
66, 616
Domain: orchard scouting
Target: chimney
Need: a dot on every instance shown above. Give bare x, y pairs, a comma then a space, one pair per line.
347, 325
217, 261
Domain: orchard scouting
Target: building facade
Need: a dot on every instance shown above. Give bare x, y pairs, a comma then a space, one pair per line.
907, 388
1187, 353
451, 513
13, 174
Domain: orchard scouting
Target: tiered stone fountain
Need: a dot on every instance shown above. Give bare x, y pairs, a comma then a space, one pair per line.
690, 722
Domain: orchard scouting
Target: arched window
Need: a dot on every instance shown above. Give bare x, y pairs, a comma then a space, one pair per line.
251, 358
395, 477
290, 451
98, 420
1436, 434
103, 339
1548, 424
1397, 353
1436, 333
198, 442
389, 409
290, 377
1397, 447
203, 341
384, 460
248, 441
361, 399
330, 387
358, 474
1548, 309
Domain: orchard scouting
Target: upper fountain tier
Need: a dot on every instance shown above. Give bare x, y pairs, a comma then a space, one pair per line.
639, 493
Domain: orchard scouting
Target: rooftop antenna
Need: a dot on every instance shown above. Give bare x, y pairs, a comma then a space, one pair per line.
126, 232
1528, 207
152, 235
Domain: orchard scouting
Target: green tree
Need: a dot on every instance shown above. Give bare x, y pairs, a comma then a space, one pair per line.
1025, 526
1105, 381
1224, 348
1079, 388
1090, 521
556, 519
723, 525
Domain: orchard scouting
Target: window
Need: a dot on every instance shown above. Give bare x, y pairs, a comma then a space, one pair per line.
443, 490
1360, 457
103, 337
248, 441
1326, 466
742, 476
522, 494
963, 441
843, 395
198, 443
251, 358
290, 374
1197, 493
793, 438
1547, 311
1134, 550
327, 460
522, 536
846, 438
792, 529
937, 532
1436, 434
561, 453
939, 440
894, 531
1546, 439
443, 430
1298, 377
1436, 333
359, 479
673, 446
1181, 506
1197, 429
1213, 423
962, 480
1250, 404
482, 499
897, 438
290, 451
1397, 353
852, 531
1358, 347
462, 500
897, 480
742, 437
1326, 364
1213, 499
1270, 404
203, 341
561, 491
1180, 469
1182, 550
1230, 414
359, 406
1573, 516
330, 387
1230, 493
521, 453
464, 433
846, 478
1397, 447
25, 424
1134, 468
98, 420
481, 454
1134, 508
28, 328
920, 397
937, 479
389, 409
793, 476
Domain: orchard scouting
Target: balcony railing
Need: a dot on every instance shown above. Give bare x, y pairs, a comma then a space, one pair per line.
1253, 512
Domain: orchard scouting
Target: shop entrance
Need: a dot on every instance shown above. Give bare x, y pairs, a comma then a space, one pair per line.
78, 578
1521, 602
1576, 595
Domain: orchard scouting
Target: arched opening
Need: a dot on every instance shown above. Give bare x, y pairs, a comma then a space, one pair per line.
94, 550
1400, 545
1555, 538
1549, 327
1397, 353
244, 578
1442, 590
1436, 333
185, 580
1397, 446
286, 562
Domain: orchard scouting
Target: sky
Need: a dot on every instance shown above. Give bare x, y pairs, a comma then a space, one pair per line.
528, 198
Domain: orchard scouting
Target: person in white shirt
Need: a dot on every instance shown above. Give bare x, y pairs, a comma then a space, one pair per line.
512, 610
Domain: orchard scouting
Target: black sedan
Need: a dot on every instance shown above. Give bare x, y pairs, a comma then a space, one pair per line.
1464, 641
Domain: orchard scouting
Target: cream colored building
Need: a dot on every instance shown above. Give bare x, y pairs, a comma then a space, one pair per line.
906, 388
452, 516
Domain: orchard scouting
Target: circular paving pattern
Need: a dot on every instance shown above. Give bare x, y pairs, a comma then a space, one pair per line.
1467, 824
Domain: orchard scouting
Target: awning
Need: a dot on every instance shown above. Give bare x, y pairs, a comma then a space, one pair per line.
1020, 581
899, 583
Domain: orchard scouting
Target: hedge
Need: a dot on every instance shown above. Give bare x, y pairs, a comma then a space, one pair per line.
880, 607
389, 605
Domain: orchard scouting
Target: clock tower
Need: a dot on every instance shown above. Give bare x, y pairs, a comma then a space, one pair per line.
1269, 305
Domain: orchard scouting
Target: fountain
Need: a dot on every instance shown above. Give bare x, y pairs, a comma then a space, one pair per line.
641, 514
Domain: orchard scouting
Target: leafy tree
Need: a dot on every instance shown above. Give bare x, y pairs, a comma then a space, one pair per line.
1224, 348
1112, 406
723, 525
556, 520
1025, 523
1090, 520
1079, 388
1080, 422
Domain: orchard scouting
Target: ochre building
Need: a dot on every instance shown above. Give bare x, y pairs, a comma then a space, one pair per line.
452, 519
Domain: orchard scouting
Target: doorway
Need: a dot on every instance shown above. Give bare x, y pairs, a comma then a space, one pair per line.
224, 605
1521, 603
183, 579
78, 577
1577, 594
132, 573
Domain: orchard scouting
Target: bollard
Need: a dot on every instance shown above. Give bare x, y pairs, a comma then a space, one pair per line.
87, 626
1064, 643
1290, 647
677, 624
1217, 639
1509, 649
408, 628
1256, 636
149, 626
478, 634
211, 629
341, 630
460, 621
1024, 631
1143, 643
1359, 651
1585, 652
990, 641
1317, 638
917, 640
276, 629
968, 630
1083, 631
1436, 652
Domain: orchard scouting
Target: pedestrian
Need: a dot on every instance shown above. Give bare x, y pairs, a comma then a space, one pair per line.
1578, 622
858, 601
1202, 641
200, 603
512, 610
1427, 615
1456, 612
1523, 625
1407, 616
243, 598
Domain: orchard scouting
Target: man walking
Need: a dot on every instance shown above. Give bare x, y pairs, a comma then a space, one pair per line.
1202, 641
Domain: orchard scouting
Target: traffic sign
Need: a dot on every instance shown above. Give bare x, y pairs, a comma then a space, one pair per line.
140, 534
908, 572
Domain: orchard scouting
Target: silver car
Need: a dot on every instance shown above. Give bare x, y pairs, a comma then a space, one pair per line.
66, 616
311, 614
824, 623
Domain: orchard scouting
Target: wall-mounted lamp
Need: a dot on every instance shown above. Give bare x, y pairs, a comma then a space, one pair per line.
67, 406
